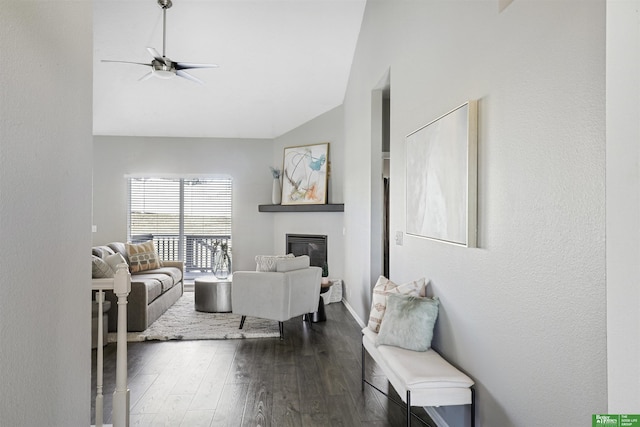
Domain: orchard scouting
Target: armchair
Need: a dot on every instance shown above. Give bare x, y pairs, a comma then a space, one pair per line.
293, 289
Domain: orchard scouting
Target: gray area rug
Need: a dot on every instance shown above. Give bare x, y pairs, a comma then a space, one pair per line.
182, 322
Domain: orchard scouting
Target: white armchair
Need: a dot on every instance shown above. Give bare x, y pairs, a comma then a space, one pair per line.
292, 290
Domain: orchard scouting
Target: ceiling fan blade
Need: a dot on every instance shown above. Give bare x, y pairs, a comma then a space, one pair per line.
157, 56
125, 62
187, 65
188, 76
146, 76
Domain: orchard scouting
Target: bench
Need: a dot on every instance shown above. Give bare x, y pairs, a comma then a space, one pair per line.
419, 378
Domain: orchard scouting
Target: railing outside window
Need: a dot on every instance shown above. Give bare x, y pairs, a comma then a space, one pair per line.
187, 218
199, 250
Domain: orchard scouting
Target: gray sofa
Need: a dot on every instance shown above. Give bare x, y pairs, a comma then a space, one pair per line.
152, 291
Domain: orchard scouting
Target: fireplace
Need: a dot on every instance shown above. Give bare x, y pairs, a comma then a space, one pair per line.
308, 244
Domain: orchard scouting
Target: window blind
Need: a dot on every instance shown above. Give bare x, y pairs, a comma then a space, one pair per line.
154, 206
180, 213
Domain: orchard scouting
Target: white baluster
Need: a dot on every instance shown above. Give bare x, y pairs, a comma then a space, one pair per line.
99, 361
122, 287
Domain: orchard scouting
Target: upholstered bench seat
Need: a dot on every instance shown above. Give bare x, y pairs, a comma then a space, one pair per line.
421, 378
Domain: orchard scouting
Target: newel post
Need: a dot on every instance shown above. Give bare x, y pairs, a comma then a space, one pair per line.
121, 287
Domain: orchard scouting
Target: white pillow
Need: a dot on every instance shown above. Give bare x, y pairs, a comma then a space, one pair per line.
290, 264
268, 262
114, 260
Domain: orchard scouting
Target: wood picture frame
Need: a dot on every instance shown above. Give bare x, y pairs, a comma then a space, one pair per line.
305, 173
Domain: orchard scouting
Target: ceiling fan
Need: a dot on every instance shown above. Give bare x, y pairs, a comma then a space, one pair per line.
161, 66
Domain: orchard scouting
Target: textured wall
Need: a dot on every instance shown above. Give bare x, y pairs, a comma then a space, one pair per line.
623, 205
45, 212
524, 313
327, 127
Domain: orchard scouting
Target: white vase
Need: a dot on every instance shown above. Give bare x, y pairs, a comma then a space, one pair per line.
276, 193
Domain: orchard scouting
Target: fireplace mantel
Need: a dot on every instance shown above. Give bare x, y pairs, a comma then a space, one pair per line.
333, 207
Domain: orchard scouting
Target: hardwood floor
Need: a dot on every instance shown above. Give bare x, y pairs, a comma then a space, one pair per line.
311, 378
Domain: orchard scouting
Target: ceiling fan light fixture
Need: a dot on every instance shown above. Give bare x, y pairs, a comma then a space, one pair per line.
163, 71
163, 67
161, 74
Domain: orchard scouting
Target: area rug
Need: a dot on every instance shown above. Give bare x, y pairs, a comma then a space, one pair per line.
182, 322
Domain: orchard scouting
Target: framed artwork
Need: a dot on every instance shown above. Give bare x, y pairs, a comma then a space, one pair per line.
441, 178
304, 174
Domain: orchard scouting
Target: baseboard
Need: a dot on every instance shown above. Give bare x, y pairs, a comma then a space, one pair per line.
353, 313
435, 416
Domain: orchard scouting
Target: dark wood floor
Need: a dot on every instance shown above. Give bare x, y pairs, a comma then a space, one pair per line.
311, 378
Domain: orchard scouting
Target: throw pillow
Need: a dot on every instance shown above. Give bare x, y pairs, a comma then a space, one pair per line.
379, 302
142, 256
99, 268
268, 262
118, 248
382, 288
114, 260
408, 322
290, 264
101, 251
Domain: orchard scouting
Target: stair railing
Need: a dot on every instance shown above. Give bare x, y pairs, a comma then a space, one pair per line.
120, 284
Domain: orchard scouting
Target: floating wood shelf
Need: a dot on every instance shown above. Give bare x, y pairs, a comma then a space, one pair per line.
333, 207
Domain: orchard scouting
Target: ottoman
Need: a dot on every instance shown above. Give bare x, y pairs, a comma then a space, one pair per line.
213, 295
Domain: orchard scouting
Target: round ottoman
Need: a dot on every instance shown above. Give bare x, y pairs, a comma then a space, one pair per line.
213, 295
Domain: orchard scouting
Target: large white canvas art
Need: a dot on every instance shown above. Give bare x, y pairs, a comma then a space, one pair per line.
441, 165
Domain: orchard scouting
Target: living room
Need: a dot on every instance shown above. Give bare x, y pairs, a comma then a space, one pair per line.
254, 233
537, 315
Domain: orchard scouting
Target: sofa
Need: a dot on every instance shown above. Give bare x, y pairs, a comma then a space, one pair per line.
155, 284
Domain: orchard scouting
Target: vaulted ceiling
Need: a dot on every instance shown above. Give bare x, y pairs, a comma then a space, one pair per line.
282, 63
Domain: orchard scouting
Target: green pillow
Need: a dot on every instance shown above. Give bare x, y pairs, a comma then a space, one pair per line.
408, 322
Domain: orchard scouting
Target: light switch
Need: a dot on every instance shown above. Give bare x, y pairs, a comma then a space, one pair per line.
399, 237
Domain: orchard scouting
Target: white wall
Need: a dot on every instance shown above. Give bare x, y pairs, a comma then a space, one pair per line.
242, 159
45, 212
623, 206
327, 127
524, 313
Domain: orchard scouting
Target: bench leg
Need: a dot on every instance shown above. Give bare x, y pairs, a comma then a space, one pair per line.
242, 319
473, 406
408, 408
397, 402
362, 377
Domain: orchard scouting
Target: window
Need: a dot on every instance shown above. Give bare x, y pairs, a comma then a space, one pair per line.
188, 219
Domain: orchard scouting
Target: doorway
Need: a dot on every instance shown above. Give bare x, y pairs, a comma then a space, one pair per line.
380, 176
